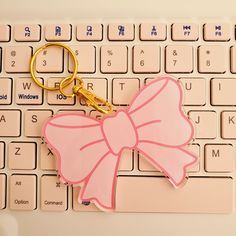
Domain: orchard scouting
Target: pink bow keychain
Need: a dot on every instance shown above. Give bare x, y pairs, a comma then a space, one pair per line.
88, 151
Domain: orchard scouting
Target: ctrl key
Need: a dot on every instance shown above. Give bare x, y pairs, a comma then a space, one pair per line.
23, 192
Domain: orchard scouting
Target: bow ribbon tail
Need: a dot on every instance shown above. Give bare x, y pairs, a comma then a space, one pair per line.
172, 161
99, 187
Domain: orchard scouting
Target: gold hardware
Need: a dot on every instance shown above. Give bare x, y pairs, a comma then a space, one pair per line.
89, 98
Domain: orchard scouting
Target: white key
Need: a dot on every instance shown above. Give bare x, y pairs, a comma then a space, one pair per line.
58, 32
57, 98
86, 57
17, 59
123, 90
98, 86
2, 191
194, 90
56, 198
126, 161
179, 59
22, 155
5, 91
89, 32
146, 59
185, 32
34, 120
23, 192
219, 158
27, 92
217, 32
114, 59
50, 60
205, 124
212, 59
4, 33
10, 123
152, 32
2, 155
223, 92
27, 33
228, 124
47, 159
121, 32
233, 59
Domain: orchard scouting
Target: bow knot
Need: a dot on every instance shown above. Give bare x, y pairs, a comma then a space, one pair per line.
123, 137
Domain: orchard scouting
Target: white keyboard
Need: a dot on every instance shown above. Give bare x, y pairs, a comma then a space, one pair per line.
115, 60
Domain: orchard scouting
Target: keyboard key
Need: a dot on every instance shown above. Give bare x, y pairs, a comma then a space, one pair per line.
58, 32
144, 165
152, 32
56, 198
81, 207
217, 32
27, 33
156, 194
146, 59
184, 32
50, 60
23, 192
223, 92
89, 32
123, 90
228, 124
233, 59
114, 59
22, 155
2, 155
126, 161
179, 59
27, 92
97, 86
17, 59
55, 97
47, 159
5, 91
10, 123
212, 59
86, 56
121, 32
3, 180
219, 158
34, 120
5, 32
194, 90
205, 124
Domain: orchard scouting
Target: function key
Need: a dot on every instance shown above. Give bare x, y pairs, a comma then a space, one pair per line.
121, 32
58, 32
4, 33
89, 32
30, 33
184, 32
152, 32
216, 32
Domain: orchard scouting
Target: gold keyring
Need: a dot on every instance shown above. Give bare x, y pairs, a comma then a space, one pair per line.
62, 86
69, 78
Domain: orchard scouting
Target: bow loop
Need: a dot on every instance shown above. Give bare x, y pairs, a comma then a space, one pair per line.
158, 116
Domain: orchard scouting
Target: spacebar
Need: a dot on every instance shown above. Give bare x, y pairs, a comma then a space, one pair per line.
156, 194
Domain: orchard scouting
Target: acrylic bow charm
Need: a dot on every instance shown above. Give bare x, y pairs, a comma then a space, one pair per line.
88, 151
